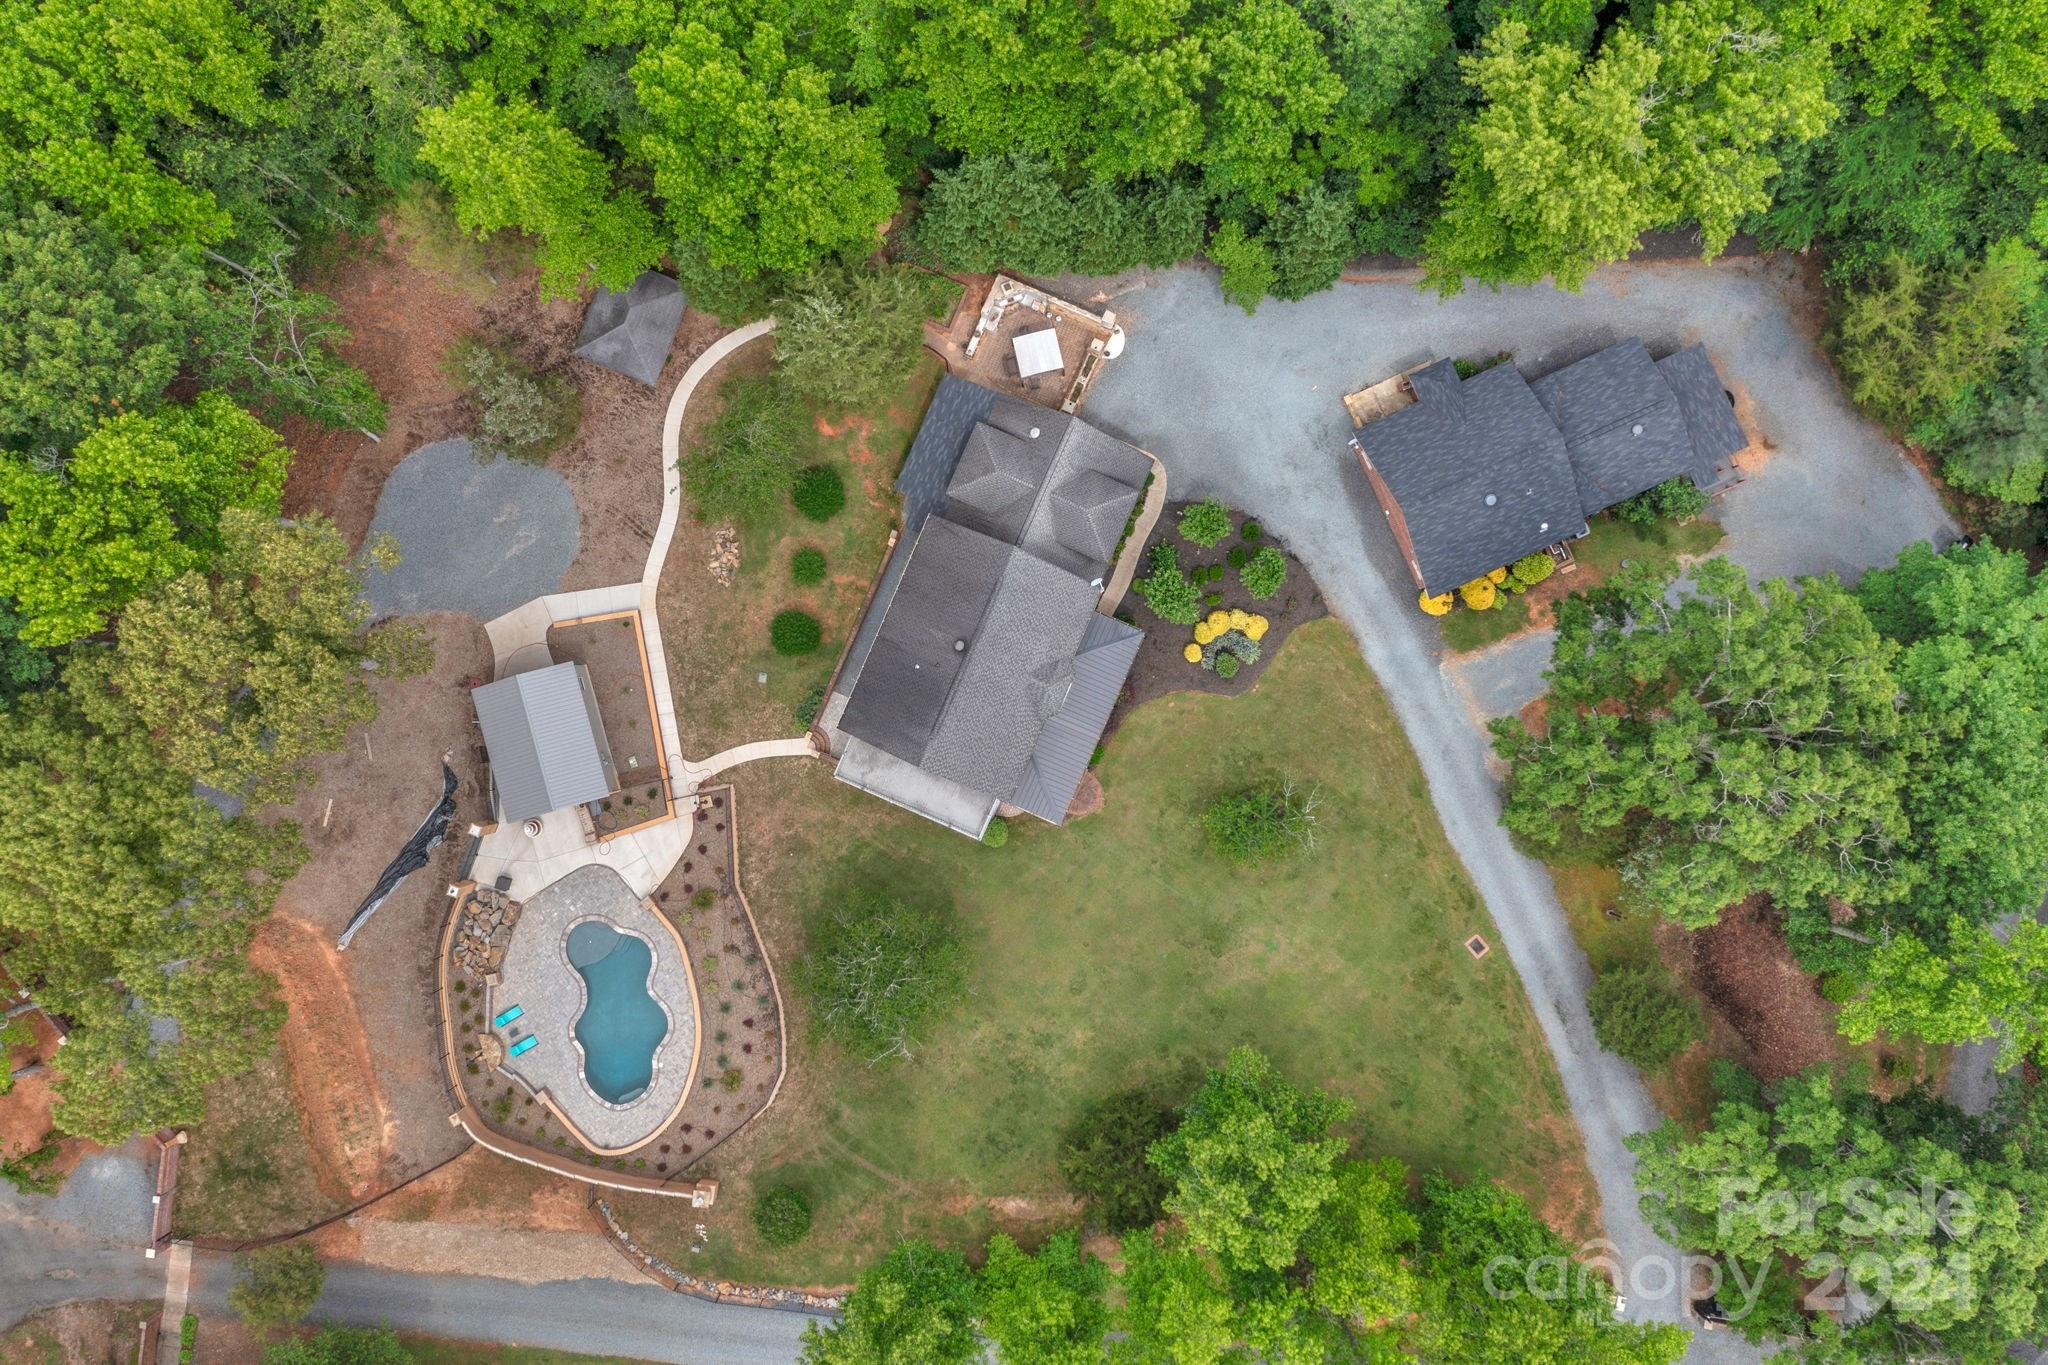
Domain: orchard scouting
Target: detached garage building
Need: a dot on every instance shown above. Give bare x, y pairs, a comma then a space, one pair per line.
546, 742
1476, 473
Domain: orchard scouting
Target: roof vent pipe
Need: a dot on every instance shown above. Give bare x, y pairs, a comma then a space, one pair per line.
1491, 500
959, 646
1034, 433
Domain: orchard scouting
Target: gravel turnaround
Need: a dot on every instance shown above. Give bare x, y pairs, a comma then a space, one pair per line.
478, 538
84, 1242
1249, 409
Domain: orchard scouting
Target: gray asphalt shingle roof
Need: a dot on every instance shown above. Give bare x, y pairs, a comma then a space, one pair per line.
1476, 467
1492, 468
1046, 481
631, 332
546, 743
1623, 430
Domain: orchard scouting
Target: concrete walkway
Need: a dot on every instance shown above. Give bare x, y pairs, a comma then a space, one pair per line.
665, 534
704, 770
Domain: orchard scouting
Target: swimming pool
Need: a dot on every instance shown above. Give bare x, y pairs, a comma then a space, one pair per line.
621, 1024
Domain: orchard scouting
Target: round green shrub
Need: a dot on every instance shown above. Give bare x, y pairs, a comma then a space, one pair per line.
1226, 665
818, 492
1265, 574
704, 899
1204, 523
1250, 531
794, 632
807, 566
1530, 570
997, 834
782, 1215
1641, 1014
1237, 556
1214, 599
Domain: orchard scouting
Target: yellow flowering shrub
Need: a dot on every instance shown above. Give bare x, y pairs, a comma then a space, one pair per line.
1478, 594
1239, 618
1498, 576
1193, 654
1255, 627
1440, 605
1204, 632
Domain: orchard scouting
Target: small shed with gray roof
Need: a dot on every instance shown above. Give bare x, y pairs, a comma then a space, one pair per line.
632, 331
546, 742
984, 674
1478, 472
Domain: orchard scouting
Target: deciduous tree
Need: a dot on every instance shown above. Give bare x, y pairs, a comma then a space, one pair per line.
1043, 1309
1739, 741
751, 154
243, 673
140, 503
511, 164
1251, 1162
917, 1303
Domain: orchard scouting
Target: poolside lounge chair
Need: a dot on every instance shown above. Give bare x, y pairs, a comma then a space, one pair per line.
508, 1016
524, 1045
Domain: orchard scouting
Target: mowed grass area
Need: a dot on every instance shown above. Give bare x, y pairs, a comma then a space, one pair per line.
717, 636
1610, 543
1119, 951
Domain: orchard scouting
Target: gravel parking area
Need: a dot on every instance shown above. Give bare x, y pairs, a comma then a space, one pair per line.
476, 538
1249, 410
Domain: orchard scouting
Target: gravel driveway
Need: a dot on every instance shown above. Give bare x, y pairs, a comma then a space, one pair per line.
476, 538
1249, 409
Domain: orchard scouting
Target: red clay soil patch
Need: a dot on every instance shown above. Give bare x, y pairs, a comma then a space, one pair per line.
1748, 978
340, 1105
401, 320
1758, 452
362, 805
1088, 797
1535, 717
25, 1109
862, 427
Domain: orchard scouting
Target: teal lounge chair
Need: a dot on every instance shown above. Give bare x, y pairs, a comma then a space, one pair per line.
524, 1045
508, 1016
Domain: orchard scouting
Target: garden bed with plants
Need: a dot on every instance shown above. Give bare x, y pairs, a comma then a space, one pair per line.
1215, 582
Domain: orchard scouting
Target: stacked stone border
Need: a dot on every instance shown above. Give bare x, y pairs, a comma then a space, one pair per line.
720, 1291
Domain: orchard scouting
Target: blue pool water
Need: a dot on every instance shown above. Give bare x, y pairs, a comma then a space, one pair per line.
621, 1025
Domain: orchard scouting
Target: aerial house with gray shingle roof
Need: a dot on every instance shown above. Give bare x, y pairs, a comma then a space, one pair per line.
984, 674
1476, 473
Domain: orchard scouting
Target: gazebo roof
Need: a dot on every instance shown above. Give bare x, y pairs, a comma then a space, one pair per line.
631, 332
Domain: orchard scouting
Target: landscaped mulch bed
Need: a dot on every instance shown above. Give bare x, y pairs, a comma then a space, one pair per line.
610, 649
740, 1045
1160, 668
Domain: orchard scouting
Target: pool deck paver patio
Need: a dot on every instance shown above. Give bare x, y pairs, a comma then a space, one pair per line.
537, 977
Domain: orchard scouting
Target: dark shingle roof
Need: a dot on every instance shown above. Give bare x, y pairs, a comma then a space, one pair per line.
934, 452
545, 740
1622, 428
631, 332
1550, 453
1479, 472
971, 714
1016, 481
1709, 413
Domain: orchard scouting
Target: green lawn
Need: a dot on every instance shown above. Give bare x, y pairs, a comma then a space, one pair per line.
717, 636
1609, 544
1118, 951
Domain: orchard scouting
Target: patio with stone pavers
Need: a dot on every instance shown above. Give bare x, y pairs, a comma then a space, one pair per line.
537, 977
